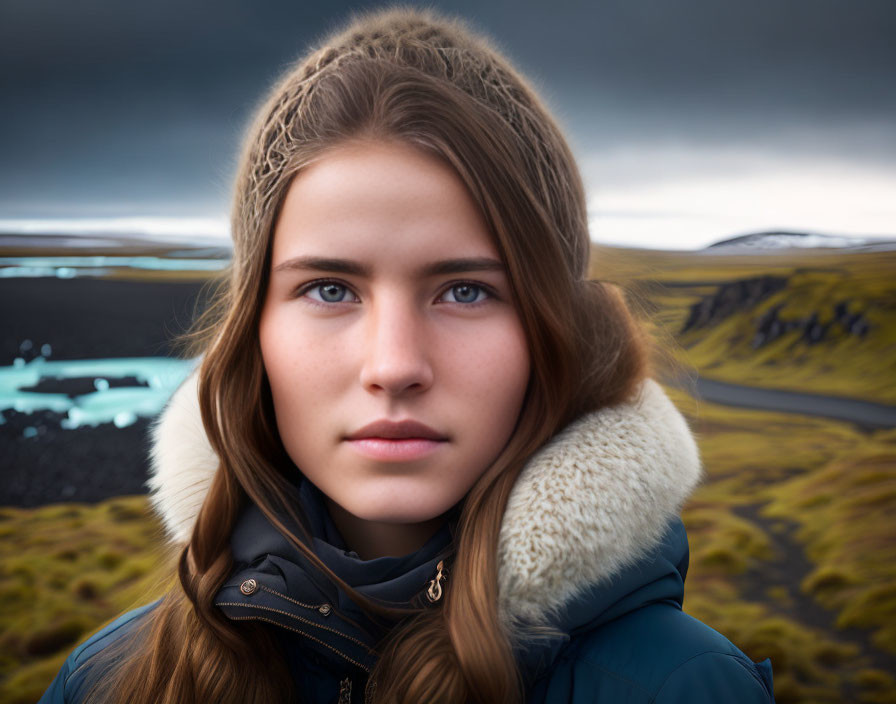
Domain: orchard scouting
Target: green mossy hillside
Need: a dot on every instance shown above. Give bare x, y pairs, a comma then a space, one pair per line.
828, 328
66, 570
792, 549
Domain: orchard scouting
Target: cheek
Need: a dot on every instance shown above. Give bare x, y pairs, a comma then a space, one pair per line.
493, 373
295, 370
277, 344
293, 355
515, 368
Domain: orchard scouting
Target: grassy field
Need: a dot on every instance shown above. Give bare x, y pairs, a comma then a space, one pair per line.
792, 557
666, 285
793, 554
65, 569
792, 548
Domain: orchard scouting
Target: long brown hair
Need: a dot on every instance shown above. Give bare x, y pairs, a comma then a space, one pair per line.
430, 81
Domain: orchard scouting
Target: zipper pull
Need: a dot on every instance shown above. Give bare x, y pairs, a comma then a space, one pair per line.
345, 691
434, 590
369, 690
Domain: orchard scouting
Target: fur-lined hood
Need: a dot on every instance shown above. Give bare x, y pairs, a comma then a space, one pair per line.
599, 496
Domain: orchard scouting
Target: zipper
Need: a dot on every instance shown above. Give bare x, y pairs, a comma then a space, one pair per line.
345, 691
302, 633
345, 685
323, 608
434, 590
319, 608
369, 690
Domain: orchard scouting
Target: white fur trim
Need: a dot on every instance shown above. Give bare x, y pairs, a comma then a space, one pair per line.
182, 462
594, 499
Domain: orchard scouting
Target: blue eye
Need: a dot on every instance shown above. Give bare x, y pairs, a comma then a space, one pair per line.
330, 292
466, 292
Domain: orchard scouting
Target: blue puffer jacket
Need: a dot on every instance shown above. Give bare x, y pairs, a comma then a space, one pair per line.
591, 546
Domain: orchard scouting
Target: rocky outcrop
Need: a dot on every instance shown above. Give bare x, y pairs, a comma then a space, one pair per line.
812, 330
730, 298
743, 295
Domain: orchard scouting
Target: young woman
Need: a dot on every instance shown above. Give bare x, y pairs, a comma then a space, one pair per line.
421, 460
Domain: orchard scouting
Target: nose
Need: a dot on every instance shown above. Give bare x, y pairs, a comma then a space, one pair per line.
396, 359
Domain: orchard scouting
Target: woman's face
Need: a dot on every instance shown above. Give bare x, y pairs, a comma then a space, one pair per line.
389, 302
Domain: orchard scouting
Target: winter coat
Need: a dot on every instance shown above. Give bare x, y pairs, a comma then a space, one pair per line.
591, 545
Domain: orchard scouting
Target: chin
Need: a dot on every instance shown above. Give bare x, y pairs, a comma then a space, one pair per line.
395, 509
390, 515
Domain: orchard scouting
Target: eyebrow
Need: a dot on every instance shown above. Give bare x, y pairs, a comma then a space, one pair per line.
349, 266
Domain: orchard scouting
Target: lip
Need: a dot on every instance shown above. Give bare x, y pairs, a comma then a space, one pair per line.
396, 441
396, 449
400, 430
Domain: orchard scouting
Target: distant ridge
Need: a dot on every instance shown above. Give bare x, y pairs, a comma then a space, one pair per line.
775, 241
43, 243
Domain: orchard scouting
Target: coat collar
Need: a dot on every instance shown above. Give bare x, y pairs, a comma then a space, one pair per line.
587, 508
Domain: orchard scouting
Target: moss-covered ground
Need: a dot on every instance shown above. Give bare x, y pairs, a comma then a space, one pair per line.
859, 364
65, 570
793, 554
792, 557
792, 548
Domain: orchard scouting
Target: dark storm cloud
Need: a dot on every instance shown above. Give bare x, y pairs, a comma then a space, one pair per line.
110, 104
714, 70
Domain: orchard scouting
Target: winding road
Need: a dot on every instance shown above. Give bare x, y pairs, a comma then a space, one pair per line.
864, 413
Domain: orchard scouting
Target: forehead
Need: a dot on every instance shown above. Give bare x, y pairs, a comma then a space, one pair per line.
380, 200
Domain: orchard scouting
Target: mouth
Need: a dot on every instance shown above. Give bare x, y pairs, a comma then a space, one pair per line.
396, 441
408, 429
396, 449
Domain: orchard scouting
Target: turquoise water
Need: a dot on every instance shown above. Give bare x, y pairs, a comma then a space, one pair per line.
100, 265
120, 405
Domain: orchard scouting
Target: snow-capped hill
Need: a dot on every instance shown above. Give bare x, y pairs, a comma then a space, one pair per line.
775, 241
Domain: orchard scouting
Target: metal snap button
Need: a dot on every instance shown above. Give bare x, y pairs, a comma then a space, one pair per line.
249, 587
325, 609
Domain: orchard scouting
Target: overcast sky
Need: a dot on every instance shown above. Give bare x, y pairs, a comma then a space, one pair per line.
692, 120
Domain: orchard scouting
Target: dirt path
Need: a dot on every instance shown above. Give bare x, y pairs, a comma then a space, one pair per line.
788, 569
